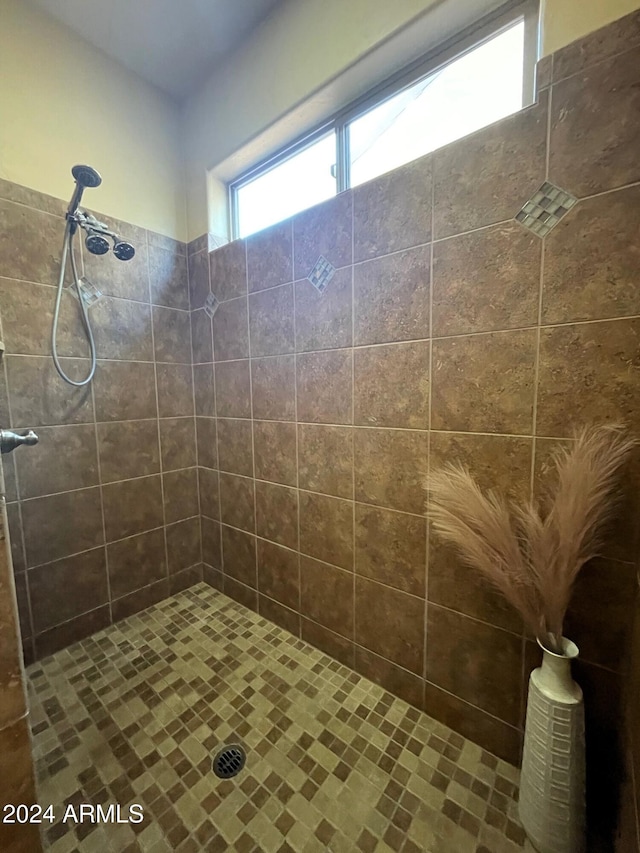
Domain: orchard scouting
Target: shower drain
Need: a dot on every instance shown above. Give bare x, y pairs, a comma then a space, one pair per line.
229, 761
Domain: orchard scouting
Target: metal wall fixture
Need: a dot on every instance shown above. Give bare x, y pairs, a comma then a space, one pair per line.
97, 242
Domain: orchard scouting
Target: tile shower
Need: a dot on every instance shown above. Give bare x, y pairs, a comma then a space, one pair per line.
277, 452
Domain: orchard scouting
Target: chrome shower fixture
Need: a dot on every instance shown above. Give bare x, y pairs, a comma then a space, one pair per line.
97, 243
97, 233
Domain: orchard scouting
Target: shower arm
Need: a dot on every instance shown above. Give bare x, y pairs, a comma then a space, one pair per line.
90, 224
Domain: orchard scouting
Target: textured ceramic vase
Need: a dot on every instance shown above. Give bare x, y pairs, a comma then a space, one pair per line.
552, 782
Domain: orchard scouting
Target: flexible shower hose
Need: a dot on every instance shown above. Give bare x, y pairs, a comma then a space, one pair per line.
67, 249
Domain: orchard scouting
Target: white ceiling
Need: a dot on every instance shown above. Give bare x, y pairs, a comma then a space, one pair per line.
174, 44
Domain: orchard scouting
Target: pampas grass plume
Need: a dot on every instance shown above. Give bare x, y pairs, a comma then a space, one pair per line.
533, 554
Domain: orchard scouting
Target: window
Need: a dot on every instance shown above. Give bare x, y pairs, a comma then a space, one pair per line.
412, 115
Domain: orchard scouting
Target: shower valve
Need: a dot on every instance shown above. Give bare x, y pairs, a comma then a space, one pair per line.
10, 440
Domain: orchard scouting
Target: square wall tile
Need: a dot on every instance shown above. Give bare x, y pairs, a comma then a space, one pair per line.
124, 390
486, 177
269, 260
64, 589
277, 514
391, 385
175, 390
228, 270
211, 543
326, 596
390, 623
208, 486
206, 442
486, 280
273, 384
325, 387
598, 107
323, 320
127, 449
136, 562
65, 458
474, 661
595, 245
60, 525
391, 298
275, 451
233, 389
393, 211
588, 373
326, 529
198, 279
498, 462
177, 443
326, 230
122, 330
484, 383
204, 390
172, 335
235, 449
132, 506
201, 337
169, 279
456, 586
278, 575
271, 321
183, 545
239, 555
39, 396
237, 500
325, 459
391, 548
231, 330
389, 468
180, 490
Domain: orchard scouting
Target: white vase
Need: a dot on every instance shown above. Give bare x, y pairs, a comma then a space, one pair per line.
552, 781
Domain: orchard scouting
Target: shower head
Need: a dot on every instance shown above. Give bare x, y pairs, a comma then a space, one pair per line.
96, 243
123, 251
85, 177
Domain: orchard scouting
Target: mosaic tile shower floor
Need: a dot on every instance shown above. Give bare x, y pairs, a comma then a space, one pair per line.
134, 714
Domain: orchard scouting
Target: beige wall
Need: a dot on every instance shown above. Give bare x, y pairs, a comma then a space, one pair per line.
302, 48
564, 21
296, 51
63, 102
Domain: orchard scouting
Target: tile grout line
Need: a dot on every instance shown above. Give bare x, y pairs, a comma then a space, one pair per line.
352, 436
428, 460
102, 513
253, 445
161, 473
295, 406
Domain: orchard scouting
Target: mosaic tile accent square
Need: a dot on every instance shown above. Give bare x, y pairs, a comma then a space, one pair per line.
90, 292
545, 209
211, 305
135, 714
321, 274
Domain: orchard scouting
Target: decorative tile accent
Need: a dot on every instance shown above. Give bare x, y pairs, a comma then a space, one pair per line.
321, 274
211, 305
90, 293
545, 209
135, 713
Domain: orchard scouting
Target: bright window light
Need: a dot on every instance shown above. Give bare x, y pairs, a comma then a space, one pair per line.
477, 89
304, 179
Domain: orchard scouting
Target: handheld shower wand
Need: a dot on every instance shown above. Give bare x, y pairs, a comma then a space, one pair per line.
96, 243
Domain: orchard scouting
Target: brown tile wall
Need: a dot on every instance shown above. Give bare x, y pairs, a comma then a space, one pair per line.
104, 511
448, 332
